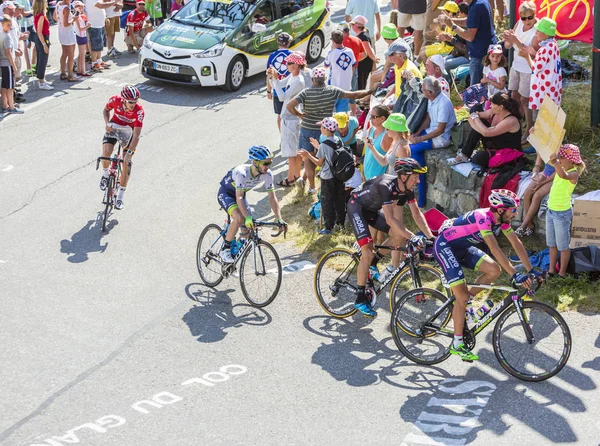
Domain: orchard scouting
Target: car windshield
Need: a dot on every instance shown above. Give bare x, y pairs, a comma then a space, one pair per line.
215, 14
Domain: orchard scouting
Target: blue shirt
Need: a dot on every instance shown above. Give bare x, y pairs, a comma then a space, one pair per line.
441, 110
350, 138
372, 168
277, 61
480, 17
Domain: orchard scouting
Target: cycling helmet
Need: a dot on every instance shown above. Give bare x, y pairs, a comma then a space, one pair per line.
408, 166
503, 198
284, 39
259, 153
130, 92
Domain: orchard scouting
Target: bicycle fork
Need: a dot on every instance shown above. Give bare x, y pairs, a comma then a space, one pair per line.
523, 318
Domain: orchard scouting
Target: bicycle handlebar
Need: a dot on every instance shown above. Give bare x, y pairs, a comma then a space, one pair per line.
537, 282
282, 228
100, 158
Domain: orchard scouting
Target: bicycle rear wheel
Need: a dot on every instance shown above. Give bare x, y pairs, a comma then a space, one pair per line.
419, 342
428, 276
335, 278
542, 359
260, 274
207, 255
108, 198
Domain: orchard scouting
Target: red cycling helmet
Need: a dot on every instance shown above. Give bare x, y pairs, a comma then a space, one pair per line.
130, 93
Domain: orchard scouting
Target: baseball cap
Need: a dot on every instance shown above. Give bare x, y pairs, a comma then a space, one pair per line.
438, 60
140, 1
397, 46
396, 122
570, 152
329, 123
318, 72
284, 39
495, 49
77, 3
546, 26
344, 26
359, 20
450, 6
7, 4
296, 57
342, 119
389, 31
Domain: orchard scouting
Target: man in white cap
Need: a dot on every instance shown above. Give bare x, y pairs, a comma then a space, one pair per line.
368, 9
434, 66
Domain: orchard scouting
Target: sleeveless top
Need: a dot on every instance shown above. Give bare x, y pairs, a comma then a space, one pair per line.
372, 168
45, 24
507, 140
391, 158
560, 193
525, 37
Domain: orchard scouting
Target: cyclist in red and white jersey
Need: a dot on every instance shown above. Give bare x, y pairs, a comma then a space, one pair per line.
125, 127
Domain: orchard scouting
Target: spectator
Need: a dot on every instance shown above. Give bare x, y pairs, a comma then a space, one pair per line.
42, 42
340, 60
356, 46
389, 34
165, 7
287, 89
519, 79
366, 64
154, 9
434, 132
318, 101
477, 30
459, 54
533, 196
494, 74
496, 128
434, 66
25, 13
10, 9
369, 9
413, 13
347, 129
276, 60
136, 27
81, 26
8, 67
332, 189
450, 9
176, 5
66, 37
375, 162
399, 54
97, 33
112, 27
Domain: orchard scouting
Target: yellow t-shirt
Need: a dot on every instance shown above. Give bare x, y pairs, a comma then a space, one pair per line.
408, 65
560, 193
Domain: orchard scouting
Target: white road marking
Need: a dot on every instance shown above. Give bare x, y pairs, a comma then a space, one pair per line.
6, 168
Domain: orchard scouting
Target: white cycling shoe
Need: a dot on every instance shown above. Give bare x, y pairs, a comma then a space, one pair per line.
225, 255
119, 205
103, 183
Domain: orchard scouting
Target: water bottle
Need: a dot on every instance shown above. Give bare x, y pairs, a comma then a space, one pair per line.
234, 248
470, 314
387, 272
485, 308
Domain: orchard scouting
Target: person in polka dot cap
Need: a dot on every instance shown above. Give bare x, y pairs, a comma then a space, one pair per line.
546, 76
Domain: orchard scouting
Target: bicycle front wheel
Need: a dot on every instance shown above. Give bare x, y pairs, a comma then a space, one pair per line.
546, 355
108, 198
426, 276
260, 274
335, 282
421, 341
207, 255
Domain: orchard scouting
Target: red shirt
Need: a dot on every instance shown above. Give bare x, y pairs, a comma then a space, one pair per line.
133, 118
355, 45
137, 20
45, 25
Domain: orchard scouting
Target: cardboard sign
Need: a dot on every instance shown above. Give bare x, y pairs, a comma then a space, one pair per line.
579, 242
586, 221
549, 131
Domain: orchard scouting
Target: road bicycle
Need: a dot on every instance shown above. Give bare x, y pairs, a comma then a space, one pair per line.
114, 181
257, 261
335, 279
531, 340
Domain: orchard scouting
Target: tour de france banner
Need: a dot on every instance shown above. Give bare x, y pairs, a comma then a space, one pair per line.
574, 18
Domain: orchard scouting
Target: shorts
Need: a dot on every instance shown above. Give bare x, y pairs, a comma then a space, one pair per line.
290, 136
228, 201
520, 82
277, 105
361, 218
121, 135
416, 21
451, 259
8, 78
558, 229
97, 38
139, 35
113, 26
304, 141
438, 48
81, 40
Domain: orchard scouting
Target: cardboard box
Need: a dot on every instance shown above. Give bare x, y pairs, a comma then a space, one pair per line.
579, 242
586, 220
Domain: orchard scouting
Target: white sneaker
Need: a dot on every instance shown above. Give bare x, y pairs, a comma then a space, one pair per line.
225, 255
311, 191
46, 86
119, 205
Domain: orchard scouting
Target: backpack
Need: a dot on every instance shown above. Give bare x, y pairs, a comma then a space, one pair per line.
585, 259
342, 166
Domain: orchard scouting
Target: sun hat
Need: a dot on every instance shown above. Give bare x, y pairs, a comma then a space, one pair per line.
342, 119
330, 124
495, 49
389, 31
450, 6
546, 26
318, 72
570, 152
296, 57
438, 59
396, 122
359, 20
397, 46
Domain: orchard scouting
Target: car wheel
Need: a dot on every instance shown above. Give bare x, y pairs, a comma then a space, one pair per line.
235, 74
315, 47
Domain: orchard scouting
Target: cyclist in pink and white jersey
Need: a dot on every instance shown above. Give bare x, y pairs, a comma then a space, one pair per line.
456, 246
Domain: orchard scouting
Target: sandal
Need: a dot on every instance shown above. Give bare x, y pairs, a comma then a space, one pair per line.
460, 158
286, 183
63, 77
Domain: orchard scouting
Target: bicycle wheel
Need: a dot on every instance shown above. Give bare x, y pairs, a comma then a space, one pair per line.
419, 343
207, 255
260, 274
542, 359
428, 277
335, 278
108, 198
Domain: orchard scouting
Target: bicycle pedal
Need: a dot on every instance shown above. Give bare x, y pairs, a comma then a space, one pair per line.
467, 360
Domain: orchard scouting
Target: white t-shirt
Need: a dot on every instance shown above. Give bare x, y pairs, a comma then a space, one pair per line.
495, 76
15, 32
341, 61
110, 13
96, 16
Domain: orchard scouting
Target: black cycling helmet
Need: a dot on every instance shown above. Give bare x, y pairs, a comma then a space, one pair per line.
408, 166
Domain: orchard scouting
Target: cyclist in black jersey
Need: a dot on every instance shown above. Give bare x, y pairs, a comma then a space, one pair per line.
371, 204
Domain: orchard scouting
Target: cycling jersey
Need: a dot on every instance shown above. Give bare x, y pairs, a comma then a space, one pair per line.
240, 178
381, 190
121, 116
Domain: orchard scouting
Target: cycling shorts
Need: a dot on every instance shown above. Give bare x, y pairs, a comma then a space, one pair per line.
362, 218
227, 201
452, 258
122, 135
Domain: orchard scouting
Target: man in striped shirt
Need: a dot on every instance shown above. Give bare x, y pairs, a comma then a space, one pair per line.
318, 103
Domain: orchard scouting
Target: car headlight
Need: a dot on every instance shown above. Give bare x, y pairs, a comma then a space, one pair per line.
147, 42
213, 51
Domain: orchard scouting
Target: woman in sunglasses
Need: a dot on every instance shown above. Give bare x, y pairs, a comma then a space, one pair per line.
125, 127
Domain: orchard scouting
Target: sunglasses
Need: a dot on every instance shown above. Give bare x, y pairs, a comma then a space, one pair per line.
266, 163
130, 102
531, 17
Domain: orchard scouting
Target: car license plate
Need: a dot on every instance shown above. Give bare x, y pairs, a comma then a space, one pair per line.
166, 68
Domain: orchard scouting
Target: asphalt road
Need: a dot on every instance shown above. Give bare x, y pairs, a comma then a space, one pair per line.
112, 340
